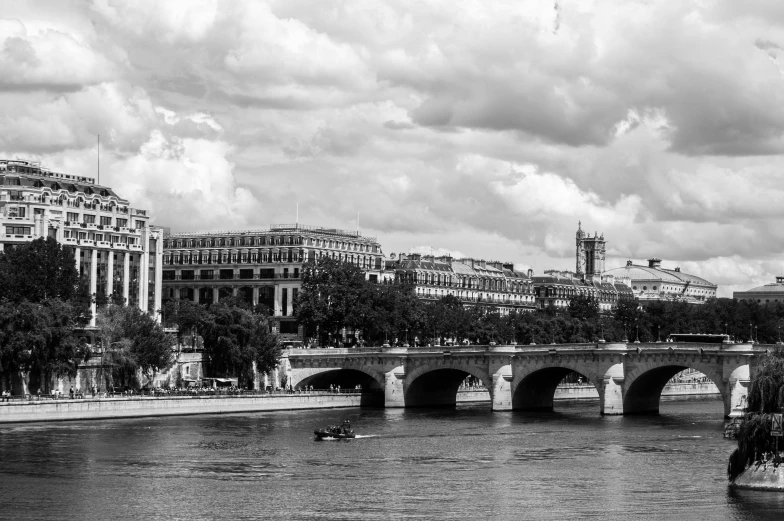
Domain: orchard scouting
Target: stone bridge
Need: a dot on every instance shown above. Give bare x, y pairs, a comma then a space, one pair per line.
629, 377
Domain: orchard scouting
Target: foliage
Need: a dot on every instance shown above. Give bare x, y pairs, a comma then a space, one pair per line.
584, 307
133, 340
37, 271
236, 339
38, 337
765, 397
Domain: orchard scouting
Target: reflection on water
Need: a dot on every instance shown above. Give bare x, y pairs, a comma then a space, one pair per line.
408, 464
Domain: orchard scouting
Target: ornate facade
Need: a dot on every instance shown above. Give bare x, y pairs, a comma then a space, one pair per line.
557, 288
590, 254
114, 246
260, 266
472, 281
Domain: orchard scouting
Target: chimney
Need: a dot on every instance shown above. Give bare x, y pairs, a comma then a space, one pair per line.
429, 258
655, 263
678, 269
628, 264
508, 266
483, 263
530, 273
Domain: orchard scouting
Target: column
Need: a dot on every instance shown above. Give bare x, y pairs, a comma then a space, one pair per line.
93, 283
126, 277
158, 276
277, 311
143, 273
78, 257
255, 296
110, 273
393, 386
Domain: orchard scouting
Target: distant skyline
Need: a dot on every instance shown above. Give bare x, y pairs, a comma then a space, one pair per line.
483, 128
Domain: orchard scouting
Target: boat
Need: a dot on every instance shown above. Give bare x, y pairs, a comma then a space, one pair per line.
339, 432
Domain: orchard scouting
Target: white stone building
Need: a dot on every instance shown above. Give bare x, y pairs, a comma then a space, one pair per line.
114, 246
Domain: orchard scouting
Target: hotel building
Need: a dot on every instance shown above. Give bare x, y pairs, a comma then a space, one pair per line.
260, 266
114, 246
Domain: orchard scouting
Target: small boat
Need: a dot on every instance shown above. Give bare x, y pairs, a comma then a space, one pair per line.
339, 432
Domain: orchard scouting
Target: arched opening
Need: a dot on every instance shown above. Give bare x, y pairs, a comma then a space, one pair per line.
436, 388
346, 380
643, 394
246, 293
225, 293
536, 391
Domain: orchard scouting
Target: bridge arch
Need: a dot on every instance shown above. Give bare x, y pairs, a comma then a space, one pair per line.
533, 388
345, 377
643, 385
437, 384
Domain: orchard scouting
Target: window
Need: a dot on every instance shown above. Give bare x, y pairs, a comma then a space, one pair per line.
72, 217
17, 230
186, 275
267, 273
168, 274
226, 274
207, 275
89, 218
16, 211
122, 223
106, 221
296, 273
645, 288
246, 273
139, 224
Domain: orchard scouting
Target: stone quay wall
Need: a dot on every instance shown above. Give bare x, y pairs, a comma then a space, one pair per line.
136, 407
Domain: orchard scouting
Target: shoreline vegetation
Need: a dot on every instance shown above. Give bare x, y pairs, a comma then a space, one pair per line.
757, 462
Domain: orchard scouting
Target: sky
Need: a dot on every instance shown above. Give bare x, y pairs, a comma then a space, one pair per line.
484, 129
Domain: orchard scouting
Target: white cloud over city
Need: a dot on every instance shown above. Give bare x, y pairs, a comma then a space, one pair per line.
484, 128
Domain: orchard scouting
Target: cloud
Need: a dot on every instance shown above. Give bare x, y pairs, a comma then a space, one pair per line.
483, 128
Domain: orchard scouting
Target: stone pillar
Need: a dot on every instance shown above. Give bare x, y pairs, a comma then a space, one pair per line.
501, 370
78, 258
158, 277
93, 283
143, 272
215, 294
255, 296
37, 227
736, 392
611, 391
110, 273
394, 394
126, 277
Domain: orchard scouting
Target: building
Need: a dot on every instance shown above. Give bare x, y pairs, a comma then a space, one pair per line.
115, 248
653, 283
261, 266
558, 288
773, 292
472, 281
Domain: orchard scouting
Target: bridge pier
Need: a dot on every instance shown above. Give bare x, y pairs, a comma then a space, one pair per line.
394, 394
611, 391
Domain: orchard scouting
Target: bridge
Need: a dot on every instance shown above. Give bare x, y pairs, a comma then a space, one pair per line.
629, 377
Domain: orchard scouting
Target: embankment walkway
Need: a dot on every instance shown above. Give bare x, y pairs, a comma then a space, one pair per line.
142, 406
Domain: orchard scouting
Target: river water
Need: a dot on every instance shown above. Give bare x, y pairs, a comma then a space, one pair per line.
464, 463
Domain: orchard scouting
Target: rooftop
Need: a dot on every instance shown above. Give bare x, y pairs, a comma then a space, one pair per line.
284, 229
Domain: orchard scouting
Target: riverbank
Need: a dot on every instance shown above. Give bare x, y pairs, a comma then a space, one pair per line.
137, 407
589, 392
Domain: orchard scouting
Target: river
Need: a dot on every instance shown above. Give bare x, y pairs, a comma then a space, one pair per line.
464, 463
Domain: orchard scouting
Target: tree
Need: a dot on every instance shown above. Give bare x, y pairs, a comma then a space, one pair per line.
38, 271
186, 316
236, 340
38, 338
765, 397
133, 341
584, 307
332, 292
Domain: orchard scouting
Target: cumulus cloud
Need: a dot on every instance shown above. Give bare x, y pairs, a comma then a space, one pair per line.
485, 129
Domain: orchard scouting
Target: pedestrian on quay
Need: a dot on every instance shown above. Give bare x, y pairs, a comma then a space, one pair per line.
71, 393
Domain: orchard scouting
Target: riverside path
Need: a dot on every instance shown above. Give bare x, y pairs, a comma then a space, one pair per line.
629, 377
